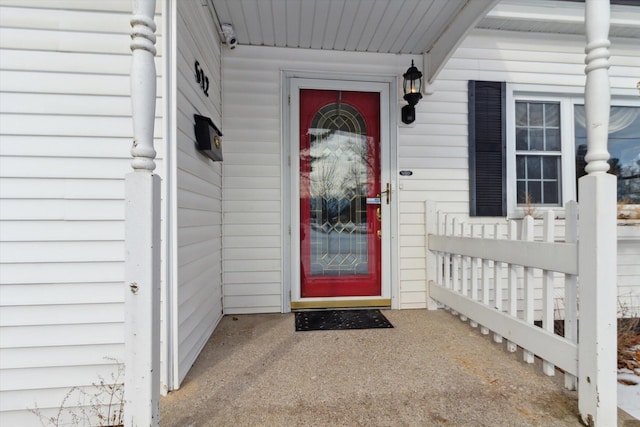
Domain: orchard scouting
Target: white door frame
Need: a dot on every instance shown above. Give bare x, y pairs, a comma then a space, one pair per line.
292, 82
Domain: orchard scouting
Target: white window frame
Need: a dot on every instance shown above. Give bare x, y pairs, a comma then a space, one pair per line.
543, 153
567, 151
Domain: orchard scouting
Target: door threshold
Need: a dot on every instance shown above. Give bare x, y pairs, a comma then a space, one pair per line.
364, 303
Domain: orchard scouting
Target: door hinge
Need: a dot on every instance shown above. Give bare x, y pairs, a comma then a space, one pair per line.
289, 100
289, 230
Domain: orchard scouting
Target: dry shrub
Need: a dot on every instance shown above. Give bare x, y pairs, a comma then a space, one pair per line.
628, 209
629, 344
102, 405
529, 208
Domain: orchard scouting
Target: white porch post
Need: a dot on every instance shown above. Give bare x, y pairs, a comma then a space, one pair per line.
142, 233
597, 236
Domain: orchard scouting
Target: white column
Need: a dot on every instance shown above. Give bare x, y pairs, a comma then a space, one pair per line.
142, 233
597, 236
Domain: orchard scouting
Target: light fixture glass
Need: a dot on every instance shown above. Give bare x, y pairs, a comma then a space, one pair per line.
412, 87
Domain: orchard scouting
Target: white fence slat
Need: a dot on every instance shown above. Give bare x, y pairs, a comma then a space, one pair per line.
486, 267
474, 276
570, 288
463, 271
497, 283
464, 265
547, 288
527, 234
447, 257
512, 283
497, 266
455, 260
439, 254
485, 270
474, 269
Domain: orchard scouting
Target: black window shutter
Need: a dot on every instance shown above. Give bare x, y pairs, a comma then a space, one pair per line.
487, 148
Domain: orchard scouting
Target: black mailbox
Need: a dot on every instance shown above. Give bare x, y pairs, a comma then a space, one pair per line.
208, 137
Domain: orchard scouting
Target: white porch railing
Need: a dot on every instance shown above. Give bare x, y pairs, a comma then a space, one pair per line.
502, 280
485, 273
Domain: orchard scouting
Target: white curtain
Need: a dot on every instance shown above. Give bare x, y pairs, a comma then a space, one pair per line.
619, 118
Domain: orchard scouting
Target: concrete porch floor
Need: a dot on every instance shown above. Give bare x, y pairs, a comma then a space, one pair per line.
430, 370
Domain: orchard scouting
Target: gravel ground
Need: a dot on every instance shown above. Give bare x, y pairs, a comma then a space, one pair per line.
430, 370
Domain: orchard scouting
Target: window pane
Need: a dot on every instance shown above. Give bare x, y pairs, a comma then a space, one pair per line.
535, 114
623, 147
551, 193
535, 191
550, 167
520, 167
533, 167
521, 113
536, 139
552, 139
522, 139
522, 192
552, 115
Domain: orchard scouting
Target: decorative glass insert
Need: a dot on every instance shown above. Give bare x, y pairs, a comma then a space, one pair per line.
338, 180
538, 153
623, 147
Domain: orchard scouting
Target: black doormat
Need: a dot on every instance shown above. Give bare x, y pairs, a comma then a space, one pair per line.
331, 320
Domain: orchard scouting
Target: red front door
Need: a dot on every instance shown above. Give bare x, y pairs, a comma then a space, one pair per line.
339, 193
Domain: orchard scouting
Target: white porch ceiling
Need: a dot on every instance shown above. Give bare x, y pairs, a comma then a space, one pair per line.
385, 26
431, 27
405, 26
567, 17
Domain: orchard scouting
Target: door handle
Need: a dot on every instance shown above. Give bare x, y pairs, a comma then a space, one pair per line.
387, 192
379, 214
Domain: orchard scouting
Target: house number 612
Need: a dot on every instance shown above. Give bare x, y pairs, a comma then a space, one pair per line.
202, 79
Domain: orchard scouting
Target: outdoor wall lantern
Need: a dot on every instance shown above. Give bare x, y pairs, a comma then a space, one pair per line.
412, 87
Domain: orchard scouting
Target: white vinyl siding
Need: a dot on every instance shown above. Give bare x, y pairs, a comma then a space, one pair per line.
198, 191
629, 271
435, 150
253, 273
65, 131
252, 173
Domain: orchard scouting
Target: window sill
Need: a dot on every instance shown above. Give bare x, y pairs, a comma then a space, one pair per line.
537, 212
628, 229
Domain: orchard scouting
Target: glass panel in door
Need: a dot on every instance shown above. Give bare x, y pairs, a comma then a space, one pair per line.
340, 219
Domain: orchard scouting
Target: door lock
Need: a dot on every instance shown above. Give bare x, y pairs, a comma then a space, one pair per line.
379, 214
